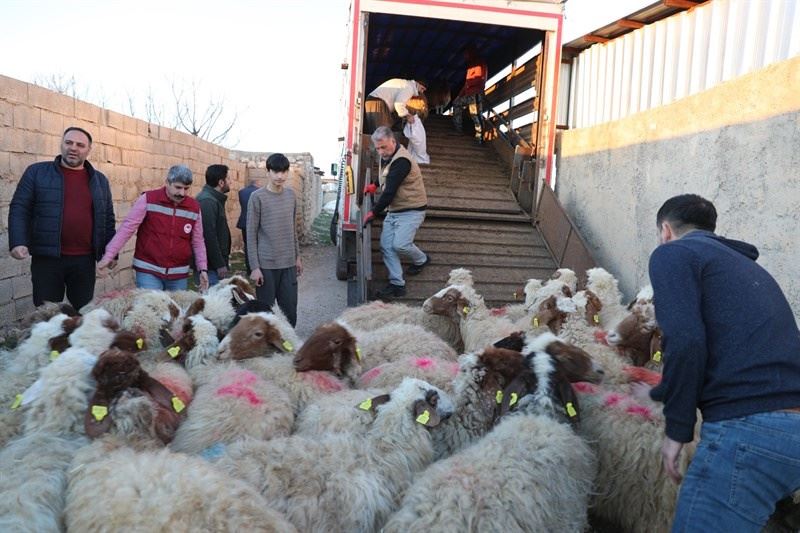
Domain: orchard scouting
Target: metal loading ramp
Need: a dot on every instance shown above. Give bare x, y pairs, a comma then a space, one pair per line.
473, 221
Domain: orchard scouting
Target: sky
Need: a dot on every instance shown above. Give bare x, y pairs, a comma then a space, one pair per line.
275, 63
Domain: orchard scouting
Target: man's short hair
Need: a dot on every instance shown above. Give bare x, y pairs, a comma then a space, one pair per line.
277, 163
215, 174
179, 174
381, 133
688, 211
76, 128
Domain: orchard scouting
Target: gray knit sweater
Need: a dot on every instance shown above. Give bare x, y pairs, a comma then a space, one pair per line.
271, 230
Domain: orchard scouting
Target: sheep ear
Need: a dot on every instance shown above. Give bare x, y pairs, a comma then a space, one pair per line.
158, 392
426, 414
568, 399
59, 343
196, 308
371, 404
515, 341
97, 419
239, 296
512, 394
165, 336
655, 346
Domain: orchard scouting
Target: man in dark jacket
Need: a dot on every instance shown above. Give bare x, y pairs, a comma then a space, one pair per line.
62, 216
216, 234
731, 349
244, 197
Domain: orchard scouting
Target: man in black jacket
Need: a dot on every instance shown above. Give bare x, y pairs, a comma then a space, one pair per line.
62, 216
216, 233
244, 197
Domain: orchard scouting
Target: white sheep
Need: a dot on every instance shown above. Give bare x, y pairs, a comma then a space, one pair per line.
117, 302
478, 327
606, 287
396, 341
235, 403
345, 482
633, 490
435, 370
219, 305
197, 345
113, 488
529, 472
460, 276
335, 413
374, 315
35, 352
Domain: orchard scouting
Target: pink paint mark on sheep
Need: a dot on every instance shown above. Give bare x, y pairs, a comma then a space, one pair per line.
244, 377
585, 388
640, 410
601, 336
452, 366
371, 374
110, 295
424, 362
178, 387
498, 311
239, 390
613, 399
323, 381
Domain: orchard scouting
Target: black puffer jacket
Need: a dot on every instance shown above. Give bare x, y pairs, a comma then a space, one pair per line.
34, 217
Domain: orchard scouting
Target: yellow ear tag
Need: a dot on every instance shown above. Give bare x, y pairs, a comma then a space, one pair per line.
366, 405
513, 399
424, 417
596, 318
571, 410
466, 310
177, 404
17, 401
287, 346
99, 412
498, 397
358, 353
174, 351
515, 295
54, 355
140, 343
535, 321
657, 356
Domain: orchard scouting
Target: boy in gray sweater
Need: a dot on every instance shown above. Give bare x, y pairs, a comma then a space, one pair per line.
272, 248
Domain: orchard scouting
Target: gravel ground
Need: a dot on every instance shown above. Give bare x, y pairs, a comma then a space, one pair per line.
321, 297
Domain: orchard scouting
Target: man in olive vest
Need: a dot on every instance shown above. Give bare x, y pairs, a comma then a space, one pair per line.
405, 200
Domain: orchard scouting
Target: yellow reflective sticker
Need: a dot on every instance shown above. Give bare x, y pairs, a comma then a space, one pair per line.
498, 397
174, 351
99, 412
571, 410
140, 343
54, 355
596, 318
287, 346
535, 321
366, 405
424, 417
358, 353
657, 356
513, 399
177, 404
17, 401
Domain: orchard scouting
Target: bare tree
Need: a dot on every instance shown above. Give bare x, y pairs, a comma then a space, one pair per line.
61, 83
209, 120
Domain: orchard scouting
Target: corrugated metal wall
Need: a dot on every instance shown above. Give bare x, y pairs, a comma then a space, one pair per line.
675, 57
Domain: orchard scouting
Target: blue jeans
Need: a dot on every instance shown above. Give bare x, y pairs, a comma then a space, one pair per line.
145, 280
741, 469
397, 238
213, 278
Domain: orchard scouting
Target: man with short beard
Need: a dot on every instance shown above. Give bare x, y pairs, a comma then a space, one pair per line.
216, 233
62, 216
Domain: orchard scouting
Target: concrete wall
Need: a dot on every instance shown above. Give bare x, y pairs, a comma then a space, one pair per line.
737, 144
134, 154
302, 179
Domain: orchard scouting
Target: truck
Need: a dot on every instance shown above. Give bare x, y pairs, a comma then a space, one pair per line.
483, 200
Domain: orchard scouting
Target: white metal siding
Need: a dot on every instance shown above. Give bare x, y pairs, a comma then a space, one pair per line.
678, 56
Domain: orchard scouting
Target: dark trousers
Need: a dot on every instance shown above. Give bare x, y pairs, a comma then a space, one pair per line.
244, 245
51, 275
280, 284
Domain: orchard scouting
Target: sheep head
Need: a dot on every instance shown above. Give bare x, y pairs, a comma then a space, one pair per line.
331, 347
179, 349
428, 404
60, 343
638, 337
453, 301
593, 307
254, 336
549, 314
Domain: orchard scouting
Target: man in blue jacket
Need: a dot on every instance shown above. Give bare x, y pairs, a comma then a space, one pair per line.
731, 349
62, 216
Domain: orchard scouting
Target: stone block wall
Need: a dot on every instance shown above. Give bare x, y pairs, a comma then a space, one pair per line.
134, 154
302, 179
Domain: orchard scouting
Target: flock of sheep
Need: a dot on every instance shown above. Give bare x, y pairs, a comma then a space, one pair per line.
156, 411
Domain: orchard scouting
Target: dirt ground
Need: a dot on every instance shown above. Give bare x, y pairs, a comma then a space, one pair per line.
321, 297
